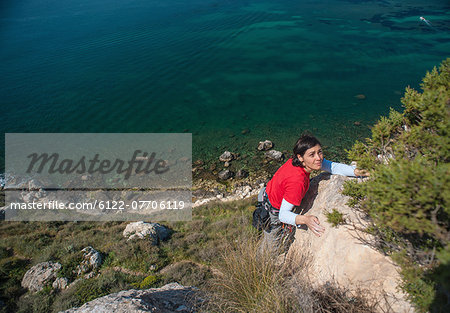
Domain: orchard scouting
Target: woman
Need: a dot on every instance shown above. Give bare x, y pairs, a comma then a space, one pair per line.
288, 186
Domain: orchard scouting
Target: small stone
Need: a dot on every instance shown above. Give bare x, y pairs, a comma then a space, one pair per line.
274, 155
227, 164
360, 97
241, 174
265, 145
245, 131
357, 123
225, 174
198, 162
227, 156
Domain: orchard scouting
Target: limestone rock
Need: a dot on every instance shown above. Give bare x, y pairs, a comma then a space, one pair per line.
154, 231
265, 145
227, 156
60, 283
92, 259
342, 254
274, 155
39, 275
172, 297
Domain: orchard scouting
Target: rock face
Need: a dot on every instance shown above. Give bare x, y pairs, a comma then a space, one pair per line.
340, 254
172, 297
154, 231
39, 275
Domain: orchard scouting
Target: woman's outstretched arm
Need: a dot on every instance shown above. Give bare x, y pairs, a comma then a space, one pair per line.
342, 169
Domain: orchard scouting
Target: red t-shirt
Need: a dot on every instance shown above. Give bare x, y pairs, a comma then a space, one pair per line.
289, 182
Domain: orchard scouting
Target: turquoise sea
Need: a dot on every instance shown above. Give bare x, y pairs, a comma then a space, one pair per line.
231, 72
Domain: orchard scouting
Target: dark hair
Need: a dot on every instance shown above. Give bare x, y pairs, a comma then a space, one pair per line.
304, 143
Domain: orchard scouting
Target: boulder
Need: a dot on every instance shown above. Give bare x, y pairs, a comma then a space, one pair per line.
274, 155
140, 230
92, 259
40, 275
169, 298
60, 283
227, 156
265, 145
343, 254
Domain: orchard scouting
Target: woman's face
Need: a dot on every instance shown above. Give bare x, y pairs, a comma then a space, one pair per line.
312, 159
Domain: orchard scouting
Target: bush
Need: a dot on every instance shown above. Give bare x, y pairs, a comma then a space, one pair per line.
409, 191
335, 218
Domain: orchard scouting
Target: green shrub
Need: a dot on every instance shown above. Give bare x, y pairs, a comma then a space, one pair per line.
409, 190
148, 282
335, 218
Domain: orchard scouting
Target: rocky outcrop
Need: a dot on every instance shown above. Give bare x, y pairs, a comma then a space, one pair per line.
140, 230
172, 297
60, 283
343, 255
241, 192
40, 275
92, 259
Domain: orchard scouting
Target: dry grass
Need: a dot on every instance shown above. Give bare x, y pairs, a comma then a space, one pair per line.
251, 279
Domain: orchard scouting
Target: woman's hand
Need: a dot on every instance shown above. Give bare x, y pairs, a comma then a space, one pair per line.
359, 172
312, 222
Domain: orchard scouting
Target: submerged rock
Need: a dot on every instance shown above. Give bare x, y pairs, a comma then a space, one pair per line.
274, 155
225, 174
241, 174
227, 156
265, 145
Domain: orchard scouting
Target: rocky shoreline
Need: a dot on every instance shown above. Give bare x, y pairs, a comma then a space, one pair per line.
233, 176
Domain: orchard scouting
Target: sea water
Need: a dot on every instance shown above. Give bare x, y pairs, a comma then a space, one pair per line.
231, 72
